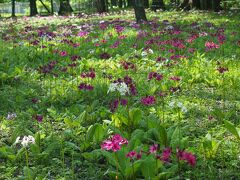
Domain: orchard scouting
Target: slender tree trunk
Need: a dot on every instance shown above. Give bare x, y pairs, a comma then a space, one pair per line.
158, 4
65, 8
101, 6
124, 3
52, 11
185, 5
120, 3
130, 3
33, 8
196, 4
13, 8
216, 5
139, 11
114, 2
146, 3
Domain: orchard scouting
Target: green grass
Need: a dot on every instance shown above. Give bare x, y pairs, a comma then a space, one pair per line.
76, 122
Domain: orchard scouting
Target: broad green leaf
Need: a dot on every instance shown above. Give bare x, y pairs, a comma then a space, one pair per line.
95, 133
176, 138
148, 167
82, 117
135, 115
28, 173
231, 127
162, 135
133, 167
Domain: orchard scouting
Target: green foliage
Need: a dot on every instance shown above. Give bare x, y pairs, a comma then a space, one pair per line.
69, 124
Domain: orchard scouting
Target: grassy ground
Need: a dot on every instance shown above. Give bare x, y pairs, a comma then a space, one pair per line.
44, 60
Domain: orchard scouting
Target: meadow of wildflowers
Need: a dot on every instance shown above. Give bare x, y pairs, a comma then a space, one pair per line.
102, 97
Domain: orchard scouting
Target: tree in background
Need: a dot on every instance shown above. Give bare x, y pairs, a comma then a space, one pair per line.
101, 6
158, 4
13, 8
186, 5
65, 7
139, 10
130, 3
33, 8
146, 3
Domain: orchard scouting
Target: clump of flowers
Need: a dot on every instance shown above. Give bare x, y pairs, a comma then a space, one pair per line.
114, 105
148, 100
155, 75
105, 55
222, 70
211, 45
11, 116
63, 53
83, 33
134, 155
146, 52
90, 74
175, 78
186, 156
114, 143
121, 87
47, 69
174, 104
39, 118
165, 156
128, 65
84, 86
153, 149
25, 141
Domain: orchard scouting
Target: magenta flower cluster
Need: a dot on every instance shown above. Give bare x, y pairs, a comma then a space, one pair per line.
114, 143
85, 86
148, 100
155, 75
186, 156
90, 74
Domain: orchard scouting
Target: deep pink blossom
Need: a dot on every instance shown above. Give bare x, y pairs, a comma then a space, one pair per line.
186, 156
211, 45
148, 100
175, 78
153, 149
114, 143
63, 53
165, 157
222, 69
131, 155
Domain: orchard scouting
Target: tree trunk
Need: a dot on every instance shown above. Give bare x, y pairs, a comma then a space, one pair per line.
216, 5
65, 8
158, 4
52, 10
185, 5
139, 11
13, 8
196, 4
146, 3
130, 3
101, 6
33, 8
120, 3
113, 2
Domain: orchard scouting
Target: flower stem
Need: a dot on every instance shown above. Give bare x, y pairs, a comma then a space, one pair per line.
116, 166
27, 163
133, 170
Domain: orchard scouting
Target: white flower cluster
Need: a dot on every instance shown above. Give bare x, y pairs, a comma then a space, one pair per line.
174, 104
169, 27
146, 52
25, 141
122, 88
11, 116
